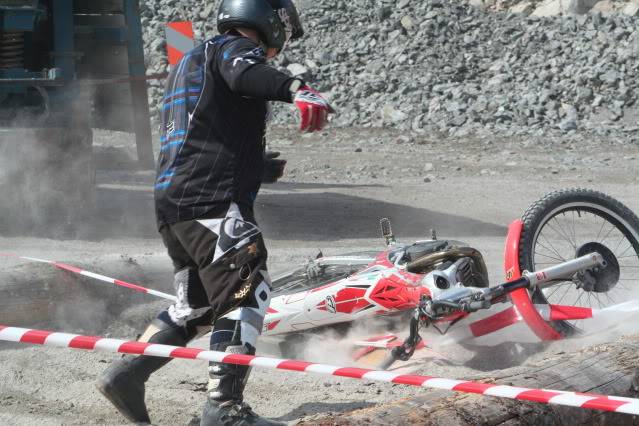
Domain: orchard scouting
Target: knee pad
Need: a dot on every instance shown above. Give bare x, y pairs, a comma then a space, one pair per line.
165, 331
251, 315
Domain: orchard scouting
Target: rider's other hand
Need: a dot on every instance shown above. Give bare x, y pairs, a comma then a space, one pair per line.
273, 167
314, 109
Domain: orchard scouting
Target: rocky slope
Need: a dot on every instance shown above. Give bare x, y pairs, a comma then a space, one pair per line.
449, 68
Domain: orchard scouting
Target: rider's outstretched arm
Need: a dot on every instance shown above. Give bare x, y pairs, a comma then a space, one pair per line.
243, 67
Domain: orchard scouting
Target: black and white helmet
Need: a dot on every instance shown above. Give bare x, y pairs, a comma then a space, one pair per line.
277, 21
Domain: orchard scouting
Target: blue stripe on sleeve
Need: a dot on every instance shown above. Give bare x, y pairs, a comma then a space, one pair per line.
168, 105
170, 144
194, 89
173, 135
181, 101
168, 173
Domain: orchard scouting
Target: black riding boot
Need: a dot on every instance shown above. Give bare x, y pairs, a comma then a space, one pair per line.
224, 405
122, 382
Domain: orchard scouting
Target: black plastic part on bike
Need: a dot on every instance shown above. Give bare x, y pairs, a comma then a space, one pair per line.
498, 293
573, 199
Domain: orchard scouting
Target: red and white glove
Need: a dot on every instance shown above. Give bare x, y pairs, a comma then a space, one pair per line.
314, 109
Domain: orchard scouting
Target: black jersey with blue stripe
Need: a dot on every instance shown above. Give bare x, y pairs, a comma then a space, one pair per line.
213, 118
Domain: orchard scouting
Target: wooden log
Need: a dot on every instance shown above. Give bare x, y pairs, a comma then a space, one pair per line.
604, 369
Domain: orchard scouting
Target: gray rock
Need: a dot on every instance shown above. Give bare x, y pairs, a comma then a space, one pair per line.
603, 7
452, 68
524, 8
551, 8
567, 124
297, 69
482, 4
581, 6
559, 7
392, 115
384, 12
458, 121
610, 77
631, 9
407, 23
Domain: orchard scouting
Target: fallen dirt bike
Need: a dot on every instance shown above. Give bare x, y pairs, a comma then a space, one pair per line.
573, 254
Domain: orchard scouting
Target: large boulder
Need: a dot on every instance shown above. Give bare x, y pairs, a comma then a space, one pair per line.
605, 7
391, 115
297, 69
524, 8
631, 9
482, 4
563, 7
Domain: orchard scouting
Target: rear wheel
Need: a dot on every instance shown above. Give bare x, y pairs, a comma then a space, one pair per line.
570, 223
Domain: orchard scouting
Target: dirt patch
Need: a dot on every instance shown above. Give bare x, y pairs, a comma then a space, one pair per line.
337, 187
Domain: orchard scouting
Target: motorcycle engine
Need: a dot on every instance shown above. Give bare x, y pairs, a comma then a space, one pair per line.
462, 271
447, 264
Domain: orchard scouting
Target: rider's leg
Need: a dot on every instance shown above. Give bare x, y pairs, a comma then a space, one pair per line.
231, 257
235, 333
123, 381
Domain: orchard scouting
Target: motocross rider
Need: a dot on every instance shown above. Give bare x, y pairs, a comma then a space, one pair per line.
211, 164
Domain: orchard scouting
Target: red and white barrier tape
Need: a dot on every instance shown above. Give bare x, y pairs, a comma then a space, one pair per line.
98, 277
511, 316
571, 399
567, 313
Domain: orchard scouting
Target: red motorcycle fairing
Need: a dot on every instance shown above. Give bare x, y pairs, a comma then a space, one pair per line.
393, 292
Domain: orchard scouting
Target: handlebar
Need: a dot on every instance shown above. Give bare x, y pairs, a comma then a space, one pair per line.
546, 277
470, 300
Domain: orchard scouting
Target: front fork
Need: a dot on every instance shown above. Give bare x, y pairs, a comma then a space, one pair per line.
407, 349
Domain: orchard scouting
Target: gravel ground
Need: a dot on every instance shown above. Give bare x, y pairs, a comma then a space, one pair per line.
337, 187
449, 67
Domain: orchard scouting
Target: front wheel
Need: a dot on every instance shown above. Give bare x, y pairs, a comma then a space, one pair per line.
570, 223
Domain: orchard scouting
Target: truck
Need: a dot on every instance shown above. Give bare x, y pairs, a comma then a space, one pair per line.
66, 67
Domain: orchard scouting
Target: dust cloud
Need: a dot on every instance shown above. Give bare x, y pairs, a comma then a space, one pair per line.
509, 347
46, 171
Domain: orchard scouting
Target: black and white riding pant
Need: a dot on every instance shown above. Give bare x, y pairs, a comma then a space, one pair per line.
220, 275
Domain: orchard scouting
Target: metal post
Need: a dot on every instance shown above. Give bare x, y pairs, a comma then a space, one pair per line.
63, 54
139, 94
